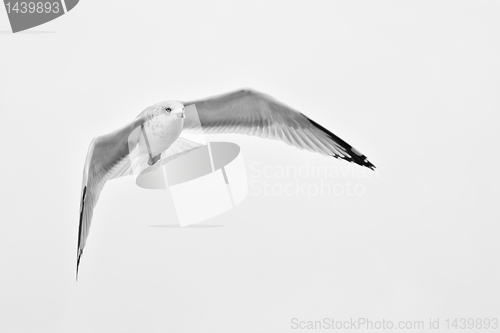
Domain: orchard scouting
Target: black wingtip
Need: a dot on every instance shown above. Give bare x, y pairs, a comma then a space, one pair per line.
79, 255
362, 160
354, 155
78, 250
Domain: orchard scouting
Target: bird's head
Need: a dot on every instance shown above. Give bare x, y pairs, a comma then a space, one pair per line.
164, 118
171, 108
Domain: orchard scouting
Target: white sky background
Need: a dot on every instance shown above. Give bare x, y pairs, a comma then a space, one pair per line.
413, 85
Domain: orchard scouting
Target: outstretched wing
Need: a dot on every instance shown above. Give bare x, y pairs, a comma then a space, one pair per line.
253, 113
106, 156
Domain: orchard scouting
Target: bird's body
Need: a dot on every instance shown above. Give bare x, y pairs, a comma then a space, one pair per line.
161, 128
153, 138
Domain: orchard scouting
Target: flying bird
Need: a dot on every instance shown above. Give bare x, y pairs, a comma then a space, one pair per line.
152, 139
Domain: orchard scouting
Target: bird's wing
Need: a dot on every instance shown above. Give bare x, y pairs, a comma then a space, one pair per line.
105, 156
253, 113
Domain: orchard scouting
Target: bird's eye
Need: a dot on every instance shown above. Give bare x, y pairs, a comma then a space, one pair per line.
168, 109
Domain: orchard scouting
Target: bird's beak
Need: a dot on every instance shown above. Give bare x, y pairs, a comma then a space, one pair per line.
181, 114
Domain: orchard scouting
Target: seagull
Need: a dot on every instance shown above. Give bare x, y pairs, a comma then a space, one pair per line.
153, 139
